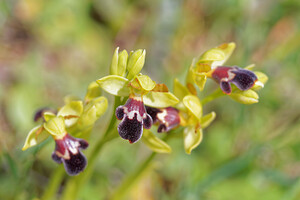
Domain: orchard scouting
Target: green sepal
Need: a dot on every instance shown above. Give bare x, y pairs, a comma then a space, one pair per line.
34, 137
261, 80
160, 99
146, 82
122, 64
115, 85
114, 62
193, 104
119, 62
101, 105
69, 98
48, 115
200, 80
56, 127
192, 138
245, 97
206, 120
155, 143
93, 91
88, 117
135, 63
217, 56
71, 112
250, 67
180, 91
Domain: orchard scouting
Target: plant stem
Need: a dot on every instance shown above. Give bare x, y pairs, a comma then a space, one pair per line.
54, 183
132, 178
216, 94
76, 183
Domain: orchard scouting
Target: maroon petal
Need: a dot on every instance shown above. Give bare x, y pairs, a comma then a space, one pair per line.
75, 164
134, 118
67, 151
131, 129
243, 79
168, 118
225, 86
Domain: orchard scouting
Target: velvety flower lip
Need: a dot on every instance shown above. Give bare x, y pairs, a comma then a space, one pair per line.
168, 118
134, 118
242, 78
67, 151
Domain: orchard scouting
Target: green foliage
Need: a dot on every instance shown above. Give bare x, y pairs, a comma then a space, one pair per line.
53, 48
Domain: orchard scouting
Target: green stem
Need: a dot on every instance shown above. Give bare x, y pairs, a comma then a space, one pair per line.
76, 183
132, 178
126, 185
216, 94
54, 183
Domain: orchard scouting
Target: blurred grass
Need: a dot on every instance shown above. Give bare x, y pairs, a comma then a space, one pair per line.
49, 49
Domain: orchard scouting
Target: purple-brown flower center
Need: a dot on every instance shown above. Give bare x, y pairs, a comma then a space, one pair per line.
67, 151
167, 118
242, 78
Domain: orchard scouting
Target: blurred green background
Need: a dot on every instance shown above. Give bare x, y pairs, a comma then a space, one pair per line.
49, 49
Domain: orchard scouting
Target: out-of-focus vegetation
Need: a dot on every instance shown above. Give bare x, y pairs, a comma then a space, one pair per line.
49, 49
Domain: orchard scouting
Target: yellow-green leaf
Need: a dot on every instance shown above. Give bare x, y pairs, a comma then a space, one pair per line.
155, 143
160, 99
192, 103
115, 85
35, 136
192, 138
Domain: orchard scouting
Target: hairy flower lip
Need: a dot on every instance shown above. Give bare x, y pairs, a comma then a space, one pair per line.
67, 151
167, 118
134, 119
242, 78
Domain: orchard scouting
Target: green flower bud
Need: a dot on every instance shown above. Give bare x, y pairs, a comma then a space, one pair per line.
135, 63
119, 62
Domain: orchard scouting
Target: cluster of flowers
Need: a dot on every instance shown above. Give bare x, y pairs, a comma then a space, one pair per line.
148, 104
